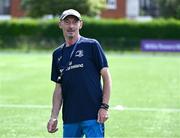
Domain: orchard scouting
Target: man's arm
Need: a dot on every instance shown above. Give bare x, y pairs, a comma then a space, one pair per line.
103, 113
56, 106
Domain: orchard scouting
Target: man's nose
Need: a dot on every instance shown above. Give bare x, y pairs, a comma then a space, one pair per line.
71, 25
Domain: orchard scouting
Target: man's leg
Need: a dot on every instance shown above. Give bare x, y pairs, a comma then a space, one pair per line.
91, 128
72, 130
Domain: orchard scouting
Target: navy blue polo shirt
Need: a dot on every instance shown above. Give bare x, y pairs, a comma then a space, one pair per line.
81, 80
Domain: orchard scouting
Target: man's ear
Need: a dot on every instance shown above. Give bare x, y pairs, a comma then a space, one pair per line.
81, 24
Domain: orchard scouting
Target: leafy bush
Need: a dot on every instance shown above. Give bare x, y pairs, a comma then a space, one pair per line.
113, 34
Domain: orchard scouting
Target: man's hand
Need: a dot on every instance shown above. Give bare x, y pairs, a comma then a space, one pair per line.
52, 125
102, 115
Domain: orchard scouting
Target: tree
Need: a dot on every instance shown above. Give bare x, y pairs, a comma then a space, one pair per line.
169, 8
38, 8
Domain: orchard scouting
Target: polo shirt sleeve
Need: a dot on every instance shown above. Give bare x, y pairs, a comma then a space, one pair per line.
54, 69
99, 56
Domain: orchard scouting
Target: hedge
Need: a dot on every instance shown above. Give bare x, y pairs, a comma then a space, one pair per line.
116, 34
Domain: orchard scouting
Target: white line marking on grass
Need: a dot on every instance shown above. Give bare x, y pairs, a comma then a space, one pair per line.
25, 106
145, 109
118, 108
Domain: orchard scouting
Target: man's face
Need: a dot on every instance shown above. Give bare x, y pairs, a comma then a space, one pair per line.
70, 26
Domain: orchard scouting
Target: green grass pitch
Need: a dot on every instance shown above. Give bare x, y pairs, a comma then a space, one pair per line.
146, 86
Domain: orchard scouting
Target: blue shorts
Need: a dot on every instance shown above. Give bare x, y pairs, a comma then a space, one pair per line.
89, 128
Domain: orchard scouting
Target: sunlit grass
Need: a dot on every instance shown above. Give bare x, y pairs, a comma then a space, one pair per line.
139, 80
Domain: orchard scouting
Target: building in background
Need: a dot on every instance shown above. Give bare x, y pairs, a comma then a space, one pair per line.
10, 8
115, 9
5, 7
121, 9
130, 9
148, 8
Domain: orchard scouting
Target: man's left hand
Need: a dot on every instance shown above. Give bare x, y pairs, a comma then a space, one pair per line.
102, 115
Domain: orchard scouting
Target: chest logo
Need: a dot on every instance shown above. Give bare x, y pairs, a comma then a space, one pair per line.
79, 53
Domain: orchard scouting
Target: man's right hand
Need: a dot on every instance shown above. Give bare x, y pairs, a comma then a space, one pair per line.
52, 125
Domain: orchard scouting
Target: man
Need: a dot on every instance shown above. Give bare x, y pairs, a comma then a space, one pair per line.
77, 67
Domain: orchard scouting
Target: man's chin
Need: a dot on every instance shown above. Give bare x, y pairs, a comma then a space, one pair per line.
70, 36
